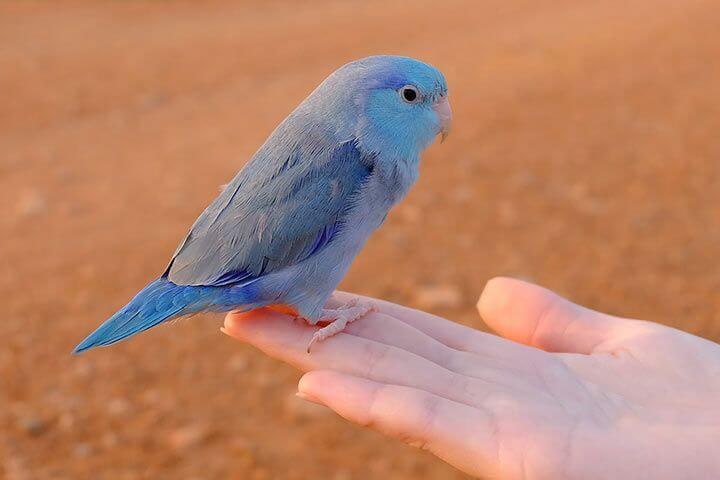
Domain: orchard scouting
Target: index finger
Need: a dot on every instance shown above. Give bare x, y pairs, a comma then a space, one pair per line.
447, 332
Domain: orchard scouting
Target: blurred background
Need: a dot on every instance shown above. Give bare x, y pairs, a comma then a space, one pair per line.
585, 157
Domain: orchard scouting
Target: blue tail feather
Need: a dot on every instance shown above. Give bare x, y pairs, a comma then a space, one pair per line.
163, 300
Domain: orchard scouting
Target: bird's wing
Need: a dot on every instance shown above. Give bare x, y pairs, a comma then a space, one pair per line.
270, 218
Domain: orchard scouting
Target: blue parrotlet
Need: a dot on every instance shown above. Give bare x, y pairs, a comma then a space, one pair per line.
283, 232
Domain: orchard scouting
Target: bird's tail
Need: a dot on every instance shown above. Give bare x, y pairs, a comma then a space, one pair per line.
161, 300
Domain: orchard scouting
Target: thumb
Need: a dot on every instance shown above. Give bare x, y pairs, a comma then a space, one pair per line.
535, 316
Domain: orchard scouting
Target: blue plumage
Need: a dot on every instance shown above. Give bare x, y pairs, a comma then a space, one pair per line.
286, 228
163, 300
159, 301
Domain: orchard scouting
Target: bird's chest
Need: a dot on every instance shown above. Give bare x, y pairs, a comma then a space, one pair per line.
389, 184
383, 189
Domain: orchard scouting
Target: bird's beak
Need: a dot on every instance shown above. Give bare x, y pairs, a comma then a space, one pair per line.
444, 113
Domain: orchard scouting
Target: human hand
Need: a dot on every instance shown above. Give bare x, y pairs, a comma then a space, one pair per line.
567, 393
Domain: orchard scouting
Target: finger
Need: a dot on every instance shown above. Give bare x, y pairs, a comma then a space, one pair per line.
451, 334
287, 340
535, 316
507, 370
388, 330
457, 433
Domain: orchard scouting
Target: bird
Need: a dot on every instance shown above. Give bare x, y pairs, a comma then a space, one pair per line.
283, 233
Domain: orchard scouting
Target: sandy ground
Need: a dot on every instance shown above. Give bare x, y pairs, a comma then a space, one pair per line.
585, 157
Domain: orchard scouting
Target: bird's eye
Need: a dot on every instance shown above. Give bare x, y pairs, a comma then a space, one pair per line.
409, 94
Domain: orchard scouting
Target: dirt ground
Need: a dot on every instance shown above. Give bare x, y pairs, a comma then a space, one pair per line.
585, 156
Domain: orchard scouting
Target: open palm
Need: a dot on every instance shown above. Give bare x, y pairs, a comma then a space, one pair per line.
567, 393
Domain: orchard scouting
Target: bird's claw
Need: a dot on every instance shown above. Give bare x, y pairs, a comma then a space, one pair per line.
339, 318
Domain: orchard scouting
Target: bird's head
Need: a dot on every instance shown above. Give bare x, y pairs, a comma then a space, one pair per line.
399, 104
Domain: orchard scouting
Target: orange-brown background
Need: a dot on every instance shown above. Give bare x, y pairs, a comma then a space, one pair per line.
585, 157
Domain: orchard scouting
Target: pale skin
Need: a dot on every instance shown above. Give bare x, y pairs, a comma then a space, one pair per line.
561, 392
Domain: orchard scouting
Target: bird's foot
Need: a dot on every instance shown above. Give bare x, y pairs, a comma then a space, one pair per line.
338, 318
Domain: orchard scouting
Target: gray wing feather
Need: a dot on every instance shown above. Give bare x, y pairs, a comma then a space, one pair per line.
272, 215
